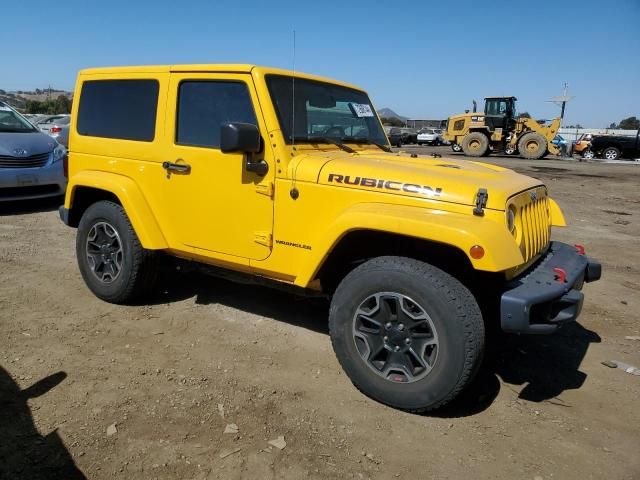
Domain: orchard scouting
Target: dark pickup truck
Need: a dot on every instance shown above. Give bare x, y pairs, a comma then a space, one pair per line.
613, 147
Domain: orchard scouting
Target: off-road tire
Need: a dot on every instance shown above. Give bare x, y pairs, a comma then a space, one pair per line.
611, 153
451, 307
532, 146
475, 144
139, 270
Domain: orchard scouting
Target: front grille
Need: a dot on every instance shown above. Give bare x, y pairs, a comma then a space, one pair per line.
535, 221
34, 161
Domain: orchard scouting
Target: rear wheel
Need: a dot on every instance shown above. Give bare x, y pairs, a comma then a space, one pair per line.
111, 259
532, 146
406, 333
456, 148
611, 153
475, 144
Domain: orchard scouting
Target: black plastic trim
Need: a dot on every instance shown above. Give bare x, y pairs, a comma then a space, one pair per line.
538, 301
64, 215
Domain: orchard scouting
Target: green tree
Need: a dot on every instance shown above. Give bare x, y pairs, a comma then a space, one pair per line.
62, 104
630, 123
34, 106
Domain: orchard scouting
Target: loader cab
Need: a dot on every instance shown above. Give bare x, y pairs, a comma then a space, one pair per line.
500, 112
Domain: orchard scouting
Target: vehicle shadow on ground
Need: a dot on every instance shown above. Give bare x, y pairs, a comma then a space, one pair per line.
536, 368
24, 452
307, 312
22, 207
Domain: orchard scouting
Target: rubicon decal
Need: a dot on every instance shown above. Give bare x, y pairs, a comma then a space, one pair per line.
385, 184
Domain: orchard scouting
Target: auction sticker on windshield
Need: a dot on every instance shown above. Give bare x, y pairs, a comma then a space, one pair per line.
361, 109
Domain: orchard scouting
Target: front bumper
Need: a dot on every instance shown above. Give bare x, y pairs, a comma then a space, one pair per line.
29, 183
540, 299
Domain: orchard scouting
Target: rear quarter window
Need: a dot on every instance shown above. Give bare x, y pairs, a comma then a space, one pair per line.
122, 109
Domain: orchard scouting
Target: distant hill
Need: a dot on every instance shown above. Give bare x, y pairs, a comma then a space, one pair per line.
388, 113
18, 98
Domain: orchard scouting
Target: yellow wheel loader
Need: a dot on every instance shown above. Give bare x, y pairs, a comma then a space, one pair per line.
500, 129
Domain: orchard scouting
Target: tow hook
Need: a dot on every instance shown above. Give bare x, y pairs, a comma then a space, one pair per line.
579, 248
561, 275
481, 201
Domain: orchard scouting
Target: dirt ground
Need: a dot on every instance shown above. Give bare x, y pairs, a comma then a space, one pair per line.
89, 389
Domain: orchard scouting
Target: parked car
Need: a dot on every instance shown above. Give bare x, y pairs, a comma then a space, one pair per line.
613, 147
581, 146
31, 162
61, 134
559, 141
440, 133
395, 136
34, 117
45, 124
429, 136
409, 135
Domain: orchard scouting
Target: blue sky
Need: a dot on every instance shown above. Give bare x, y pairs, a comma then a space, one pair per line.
423, 59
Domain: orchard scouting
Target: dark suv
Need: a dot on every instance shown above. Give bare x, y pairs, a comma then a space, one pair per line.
613, 147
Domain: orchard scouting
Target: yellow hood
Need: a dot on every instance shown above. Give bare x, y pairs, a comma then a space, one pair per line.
444, 179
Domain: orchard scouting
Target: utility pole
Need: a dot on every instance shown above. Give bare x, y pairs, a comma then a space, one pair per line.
562, 100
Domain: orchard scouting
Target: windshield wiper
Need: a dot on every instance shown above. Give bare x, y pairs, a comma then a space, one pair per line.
332, 140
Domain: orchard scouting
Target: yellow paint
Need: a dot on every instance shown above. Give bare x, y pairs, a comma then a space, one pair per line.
221, 214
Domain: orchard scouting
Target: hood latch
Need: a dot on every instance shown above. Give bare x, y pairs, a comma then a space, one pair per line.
481, 201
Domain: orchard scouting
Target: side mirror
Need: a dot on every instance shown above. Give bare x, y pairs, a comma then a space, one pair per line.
240, 137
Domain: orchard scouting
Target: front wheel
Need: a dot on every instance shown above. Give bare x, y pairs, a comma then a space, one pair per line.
456, 148
532, 146
406, 333
588, 154
111, 259
475, 144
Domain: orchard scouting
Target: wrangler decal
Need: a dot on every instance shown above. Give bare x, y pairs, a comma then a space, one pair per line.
385, 184
293, 244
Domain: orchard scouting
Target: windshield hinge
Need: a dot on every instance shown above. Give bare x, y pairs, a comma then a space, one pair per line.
265, 188
481, 201
263, 238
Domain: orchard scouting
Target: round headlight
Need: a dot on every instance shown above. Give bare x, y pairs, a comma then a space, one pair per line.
511, 219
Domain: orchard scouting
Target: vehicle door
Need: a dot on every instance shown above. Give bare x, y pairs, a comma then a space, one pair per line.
212, 203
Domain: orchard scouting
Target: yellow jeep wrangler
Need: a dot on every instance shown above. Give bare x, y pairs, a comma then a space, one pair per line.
289, 178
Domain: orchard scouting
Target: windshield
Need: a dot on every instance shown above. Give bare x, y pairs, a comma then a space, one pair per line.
12, 121
324, 110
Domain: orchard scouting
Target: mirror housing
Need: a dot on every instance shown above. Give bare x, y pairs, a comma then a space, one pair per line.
240, 137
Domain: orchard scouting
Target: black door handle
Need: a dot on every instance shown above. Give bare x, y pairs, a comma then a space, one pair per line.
176, 167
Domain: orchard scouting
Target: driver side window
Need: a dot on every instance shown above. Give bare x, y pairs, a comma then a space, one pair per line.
204, 106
